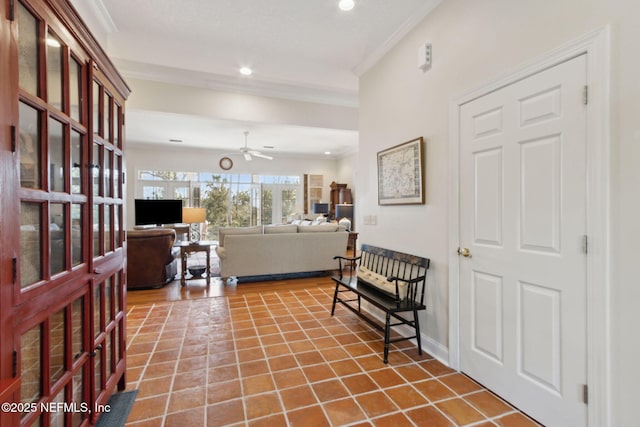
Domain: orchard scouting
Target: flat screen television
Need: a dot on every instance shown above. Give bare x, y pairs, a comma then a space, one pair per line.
158, 212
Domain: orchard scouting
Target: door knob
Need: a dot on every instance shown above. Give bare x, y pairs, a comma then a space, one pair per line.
465, 252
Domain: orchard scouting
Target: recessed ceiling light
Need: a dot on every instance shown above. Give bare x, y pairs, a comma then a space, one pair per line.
346, 5
327, 152
246, 71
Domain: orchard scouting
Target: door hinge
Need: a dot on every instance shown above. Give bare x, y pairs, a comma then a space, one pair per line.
12, 9
15, 363
14, 137
15, 270
585, 244
585, 393
585, 95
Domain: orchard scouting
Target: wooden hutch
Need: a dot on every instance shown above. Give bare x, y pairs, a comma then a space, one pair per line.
62, 293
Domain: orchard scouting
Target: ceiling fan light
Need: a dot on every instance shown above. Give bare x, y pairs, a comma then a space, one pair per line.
346, 5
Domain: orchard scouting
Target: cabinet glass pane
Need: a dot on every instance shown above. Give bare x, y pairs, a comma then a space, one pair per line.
116, 343
107, 228
27, 50
57, 166
117, 284
31, 365
117, 167
57, 417
106, 113
117, 227
58, 237
77, 311
97, 373
29, 146
95, 170
54, 71
106, 173
97, 306
116, 121
78, 397
76, 234
108, 293
108, 350
56, 346
75, 89
96, 108
76, 162
30, 243
97, 250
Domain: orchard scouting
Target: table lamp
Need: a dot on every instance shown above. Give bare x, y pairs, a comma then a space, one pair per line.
320, 208
344, 212
194, 216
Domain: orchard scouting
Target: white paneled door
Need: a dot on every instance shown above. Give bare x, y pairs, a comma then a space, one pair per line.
523, 245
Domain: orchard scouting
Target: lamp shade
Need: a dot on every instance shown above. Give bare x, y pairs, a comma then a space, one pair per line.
320, 208
193, 215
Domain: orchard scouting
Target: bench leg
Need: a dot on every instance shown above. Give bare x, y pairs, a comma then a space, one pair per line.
335, 299
417, 323
387, 332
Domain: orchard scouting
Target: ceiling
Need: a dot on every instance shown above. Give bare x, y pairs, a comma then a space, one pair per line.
300, 50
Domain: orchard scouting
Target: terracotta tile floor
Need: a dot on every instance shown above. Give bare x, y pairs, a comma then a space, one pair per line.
280, 359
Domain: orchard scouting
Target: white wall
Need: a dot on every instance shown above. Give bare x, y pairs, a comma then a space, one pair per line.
200, 102
474, 42
163, 157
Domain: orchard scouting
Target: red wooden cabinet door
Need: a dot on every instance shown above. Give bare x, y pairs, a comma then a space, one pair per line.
62, 298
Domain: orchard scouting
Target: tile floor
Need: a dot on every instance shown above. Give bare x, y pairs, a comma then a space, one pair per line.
280, 359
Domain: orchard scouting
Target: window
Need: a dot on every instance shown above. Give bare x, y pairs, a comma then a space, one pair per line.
237, 200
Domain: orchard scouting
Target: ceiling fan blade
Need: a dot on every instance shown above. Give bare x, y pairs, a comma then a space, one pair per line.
263, 156
247, 156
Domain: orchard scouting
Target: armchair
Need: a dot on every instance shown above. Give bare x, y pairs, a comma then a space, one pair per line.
152, 261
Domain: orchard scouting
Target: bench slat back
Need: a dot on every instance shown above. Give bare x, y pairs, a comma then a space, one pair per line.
389, 263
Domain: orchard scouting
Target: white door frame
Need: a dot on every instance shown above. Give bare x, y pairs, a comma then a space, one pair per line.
596, 46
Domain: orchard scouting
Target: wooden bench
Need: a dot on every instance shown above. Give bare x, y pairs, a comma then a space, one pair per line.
392, 281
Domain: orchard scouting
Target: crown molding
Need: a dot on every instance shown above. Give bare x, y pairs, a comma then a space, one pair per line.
249, 86
390, 43
98, 14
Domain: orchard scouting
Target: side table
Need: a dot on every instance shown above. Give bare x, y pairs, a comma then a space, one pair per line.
351, 242
187, 248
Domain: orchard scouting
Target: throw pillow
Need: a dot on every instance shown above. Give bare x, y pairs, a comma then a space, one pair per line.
380, 282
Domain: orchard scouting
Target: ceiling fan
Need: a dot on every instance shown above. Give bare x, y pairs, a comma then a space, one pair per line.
249, 152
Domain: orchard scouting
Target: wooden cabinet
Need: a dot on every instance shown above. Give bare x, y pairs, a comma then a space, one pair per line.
339, 194
62, 299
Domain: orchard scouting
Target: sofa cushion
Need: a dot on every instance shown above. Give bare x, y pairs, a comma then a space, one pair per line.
380, 282
276, 229
320, 228
226, 231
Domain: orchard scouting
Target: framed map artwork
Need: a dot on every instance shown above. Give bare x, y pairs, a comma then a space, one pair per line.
401, 174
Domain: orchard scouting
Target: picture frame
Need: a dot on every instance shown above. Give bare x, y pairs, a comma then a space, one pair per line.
401, 174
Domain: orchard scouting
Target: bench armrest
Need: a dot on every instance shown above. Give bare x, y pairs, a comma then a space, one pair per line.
411, 291
351, 260
414, 280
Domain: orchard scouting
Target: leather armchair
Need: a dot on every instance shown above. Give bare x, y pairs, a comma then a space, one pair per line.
152, 261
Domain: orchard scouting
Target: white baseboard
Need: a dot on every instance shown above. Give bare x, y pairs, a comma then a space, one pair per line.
439, 351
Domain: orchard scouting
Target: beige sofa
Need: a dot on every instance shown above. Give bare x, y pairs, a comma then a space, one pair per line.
279, 250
